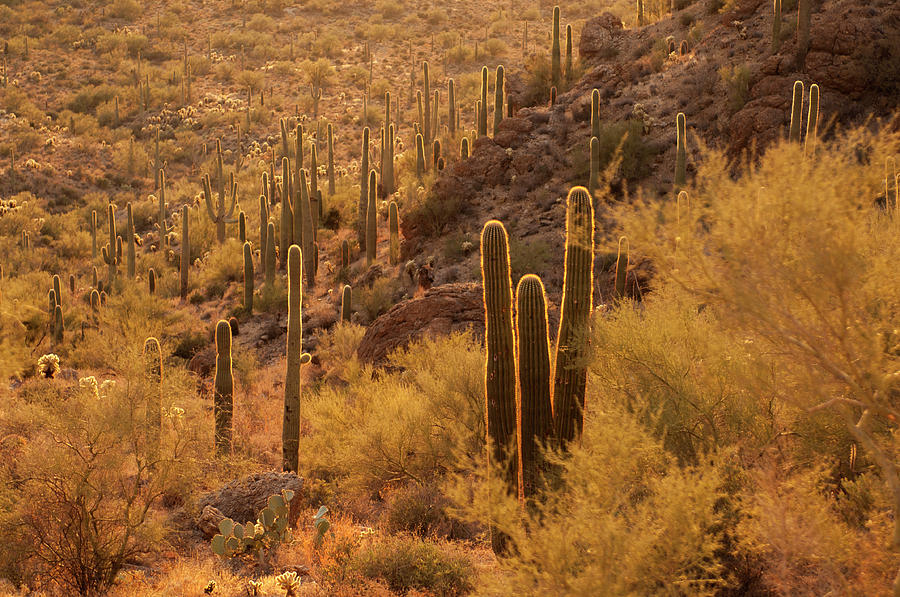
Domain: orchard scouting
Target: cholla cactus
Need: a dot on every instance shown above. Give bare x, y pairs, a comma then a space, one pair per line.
48, 366
289, 583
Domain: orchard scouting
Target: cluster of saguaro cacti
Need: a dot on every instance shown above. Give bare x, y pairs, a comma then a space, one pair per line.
812, 121
223, 389
519, 358
290, 433
220, 208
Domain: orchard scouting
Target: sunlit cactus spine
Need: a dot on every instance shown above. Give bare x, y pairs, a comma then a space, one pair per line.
151, 281
290, 432
221, 208
812, 120
387, 166
345, 254
499, 95
346, 303
94, 234
535, 417
129, 235
482, 107
464, 148
331, 183
394, 228
621, 268
185, 251
363, 203
420, 158
575, 313
680, 151
269, 256
109, 253
153, 368
500, 362
555, 58
796, 113
286, 236
248, 277
371, 222
263, 230
451, 107
223, 389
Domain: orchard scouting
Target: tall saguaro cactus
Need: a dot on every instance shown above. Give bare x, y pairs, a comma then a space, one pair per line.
387, 166
269, 256
362, 205
220, 208
500, 364
286, 233
331, 184
680, 151
394, 230
575, 314
153, 367
223, 396
621, 267
185, 251
804, 16
451, 107
535, 417
346, 303
248, 277
371, 222
94, 234
776, 26
812, 120
129, 243
594, 177
499, 94
555, 58
796, 113
109, 252
290, 430
482, 107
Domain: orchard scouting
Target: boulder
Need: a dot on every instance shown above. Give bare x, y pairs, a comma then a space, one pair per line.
442, 310
602, 37
242, 499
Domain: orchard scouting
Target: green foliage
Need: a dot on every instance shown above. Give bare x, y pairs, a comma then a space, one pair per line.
259, 539
736, 79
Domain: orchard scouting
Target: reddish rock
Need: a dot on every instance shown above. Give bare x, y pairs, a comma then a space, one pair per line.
442, 310
242, 500
602, 37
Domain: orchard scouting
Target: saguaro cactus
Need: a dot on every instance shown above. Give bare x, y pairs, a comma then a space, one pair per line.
680, 151
570, 74
621, 267
482, 110
594, 177
371, 222
248, 277
387, 166
500, 363
796, 113
345, 254
451, 107
776, 26
394, 229
223, 384
640, 13
129, 243
153, 368
220, 209
290, 431
420, 157
812, 120
269, 256
499, 94
58, 327
804, 15
427, 132
151, 281
363, 204
575, 313
555, 74
595, 113
464, 148
331, 183
94, 234
263, 229
110, 256
185, 251
346, 303
286, 236
309, 236
535, 417
242, 227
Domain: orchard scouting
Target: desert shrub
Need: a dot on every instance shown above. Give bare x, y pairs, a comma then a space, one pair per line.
377, 299
626, 521
407, 563
424, 511
621, 141
405, 426
126, 9
736, 80
527, 256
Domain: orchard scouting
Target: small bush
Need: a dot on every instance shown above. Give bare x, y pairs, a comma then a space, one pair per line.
737, 85
407, 563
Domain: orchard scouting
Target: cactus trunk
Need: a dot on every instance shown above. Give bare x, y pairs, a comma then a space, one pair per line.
680, 151
248, 278
185, 251
290, 431
575, 313
371, 222
223, 383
